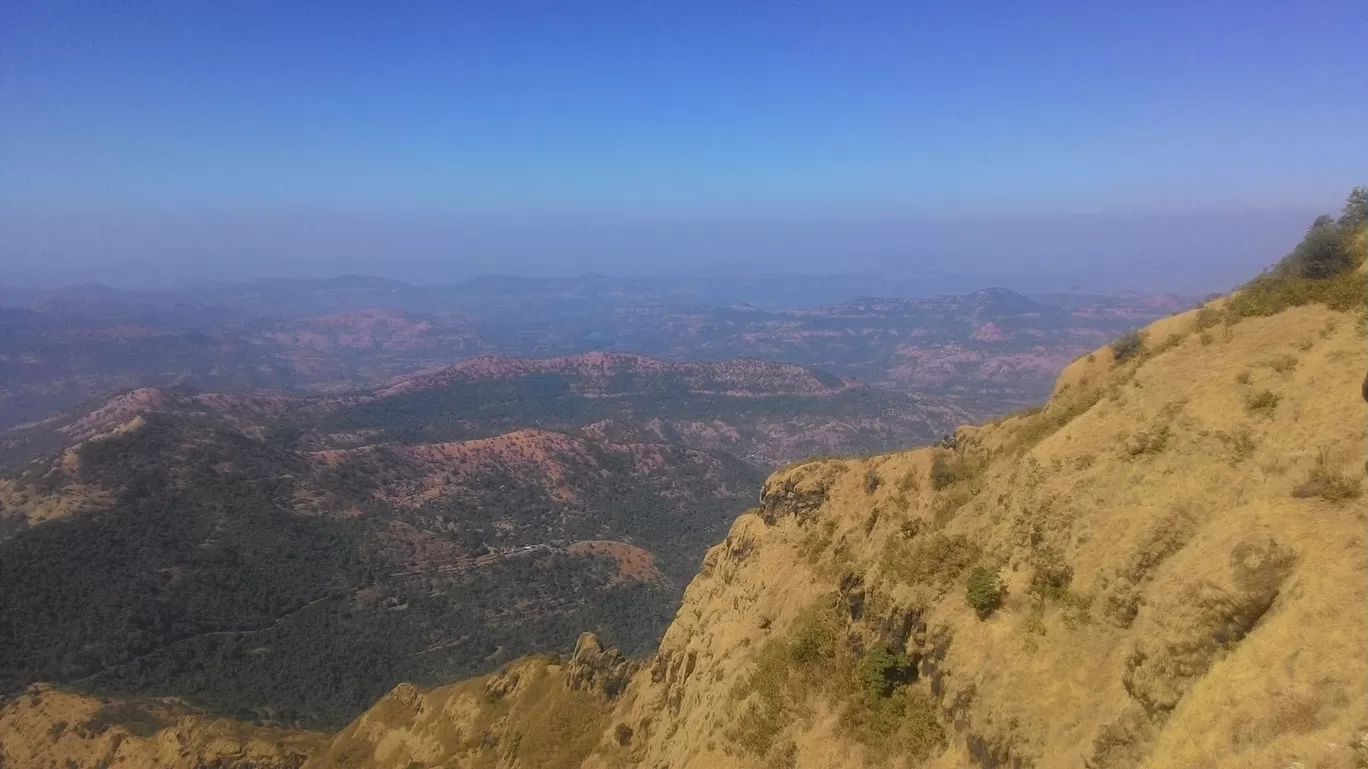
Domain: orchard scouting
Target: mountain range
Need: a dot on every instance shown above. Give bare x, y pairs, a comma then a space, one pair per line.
988, 351
291, 557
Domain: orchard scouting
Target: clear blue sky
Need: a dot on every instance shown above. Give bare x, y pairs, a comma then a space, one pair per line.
201, 138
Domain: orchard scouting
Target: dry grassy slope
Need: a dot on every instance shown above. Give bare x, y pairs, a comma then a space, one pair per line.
46, 727
537, 713
1198, 535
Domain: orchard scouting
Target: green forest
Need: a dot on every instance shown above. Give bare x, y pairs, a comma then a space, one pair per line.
203, 580
475, 409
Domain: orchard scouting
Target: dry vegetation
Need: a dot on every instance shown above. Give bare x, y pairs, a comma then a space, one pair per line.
46, 727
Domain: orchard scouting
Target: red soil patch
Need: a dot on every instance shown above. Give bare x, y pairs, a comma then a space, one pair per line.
437, 469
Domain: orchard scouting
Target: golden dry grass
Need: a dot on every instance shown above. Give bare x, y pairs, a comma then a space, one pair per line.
45, 727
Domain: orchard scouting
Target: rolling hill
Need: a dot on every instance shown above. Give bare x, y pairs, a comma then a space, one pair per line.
252, 551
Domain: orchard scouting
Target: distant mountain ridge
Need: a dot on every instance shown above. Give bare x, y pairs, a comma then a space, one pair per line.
350, 292
990, 350
597, 372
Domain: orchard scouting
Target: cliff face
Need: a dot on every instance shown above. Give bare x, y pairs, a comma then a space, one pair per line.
1163, 567
1179, 540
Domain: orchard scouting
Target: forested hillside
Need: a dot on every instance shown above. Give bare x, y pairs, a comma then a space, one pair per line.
291, 558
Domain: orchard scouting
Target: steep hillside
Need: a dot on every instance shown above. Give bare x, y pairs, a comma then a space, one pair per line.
1154, 568
1164, 566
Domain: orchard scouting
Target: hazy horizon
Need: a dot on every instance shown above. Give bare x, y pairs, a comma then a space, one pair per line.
1160, 147
1192, 254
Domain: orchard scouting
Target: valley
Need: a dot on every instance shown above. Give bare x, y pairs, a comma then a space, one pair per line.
252, 551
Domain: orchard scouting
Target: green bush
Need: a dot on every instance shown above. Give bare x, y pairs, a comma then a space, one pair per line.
902, 724
1052, 574
1328, 483
1127, 346
1281, 364
1239, 442
951, 467
936, 560
1051, 419
786, 671
1264, 402
881, 709
1271, 293
882, 670
1320, 270
1322, 253
1207, 317
1149, 441
985, 591
816, 636
942, 474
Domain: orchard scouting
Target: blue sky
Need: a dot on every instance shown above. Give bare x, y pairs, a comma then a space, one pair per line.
449, 138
